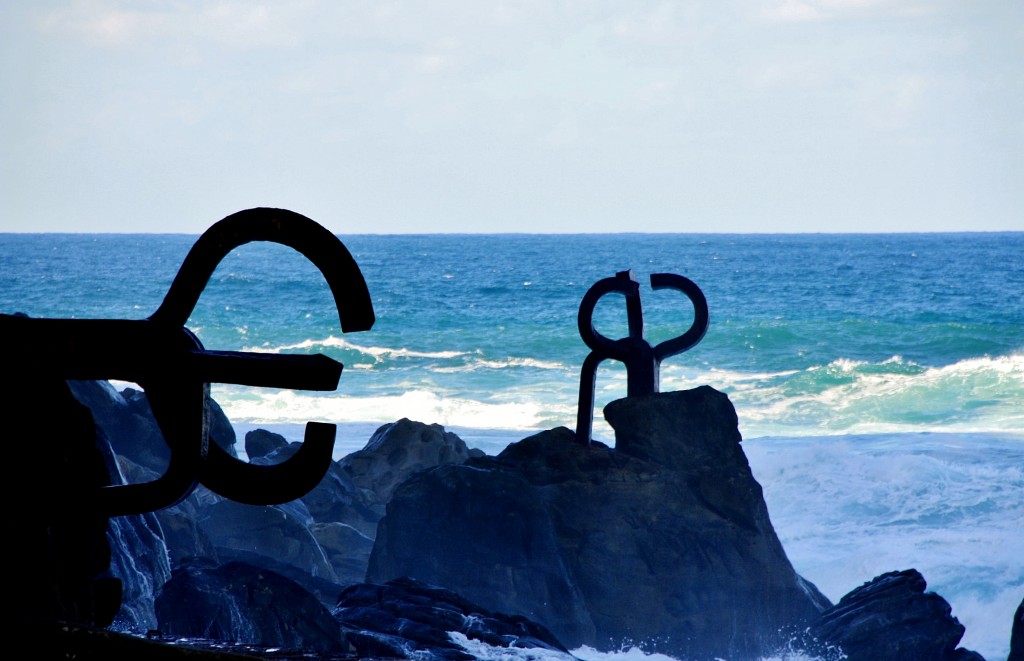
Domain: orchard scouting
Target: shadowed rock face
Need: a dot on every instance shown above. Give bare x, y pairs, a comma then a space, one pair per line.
241, 602
408, 619
397, 450
890, 618
663, 540
1017, 635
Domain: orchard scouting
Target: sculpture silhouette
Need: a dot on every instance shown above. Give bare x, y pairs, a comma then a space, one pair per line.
642, 361
63, 557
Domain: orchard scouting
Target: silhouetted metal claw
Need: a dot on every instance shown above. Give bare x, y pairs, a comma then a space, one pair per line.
276, 483
174, 369
642, 361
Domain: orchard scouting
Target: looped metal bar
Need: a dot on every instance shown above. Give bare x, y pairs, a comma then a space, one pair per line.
642, 361
175, 370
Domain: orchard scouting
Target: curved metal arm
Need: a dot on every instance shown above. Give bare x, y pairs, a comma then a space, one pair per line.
272, 484
223, 474
288, 228
701, 317
178, 372
624, 283
179, 407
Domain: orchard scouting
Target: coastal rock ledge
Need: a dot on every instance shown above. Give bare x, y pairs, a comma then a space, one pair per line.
664, 540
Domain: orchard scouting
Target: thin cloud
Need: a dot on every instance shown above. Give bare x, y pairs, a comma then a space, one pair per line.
803, 11
233, 25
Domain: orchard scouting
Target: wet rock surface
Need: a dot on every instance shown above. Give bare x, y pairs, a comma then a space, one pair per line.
664, 539
237, 601
409, 619
892, 618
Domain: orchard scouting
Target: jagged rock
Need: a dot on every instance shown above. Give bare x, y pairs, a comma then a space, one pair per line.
336, 498
488, 535
408, 619
139, 558
664, 540
347, 549
260, 442
243, 603
182, 537
267, 535
127, 420
399, 449
892, 618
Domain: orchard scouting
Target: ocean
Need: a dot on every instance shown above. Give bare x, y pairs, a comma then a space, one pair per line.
878, 379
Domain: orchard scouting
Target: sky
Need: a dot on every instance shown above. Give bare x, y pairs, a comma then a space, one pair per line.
551, 116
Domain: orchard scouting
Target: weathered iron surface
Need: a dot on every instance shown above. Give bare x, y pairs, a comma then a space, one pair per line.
642, 361
165, 358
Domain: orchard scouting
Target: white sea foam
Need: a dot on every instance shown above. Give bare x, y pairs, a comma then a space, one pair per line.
950, 505
631, 653
333, 342
506, 363
969, 395
634, 653
290, 407
482, 650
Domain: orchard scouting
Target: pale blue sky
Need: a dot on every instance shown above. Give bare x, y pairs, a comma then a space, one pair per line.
466, 116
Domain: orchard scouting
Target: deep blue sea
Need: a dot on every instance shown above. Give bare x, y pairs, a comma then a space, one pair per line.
879, 379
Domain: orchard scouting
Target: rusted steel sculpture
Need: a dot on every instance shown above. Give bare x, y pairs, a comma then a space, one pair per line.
168, 361
641, 359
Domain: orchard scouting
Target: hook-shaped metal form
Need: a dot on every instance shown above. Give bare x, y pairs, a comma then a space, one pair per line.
642, 361
174, 369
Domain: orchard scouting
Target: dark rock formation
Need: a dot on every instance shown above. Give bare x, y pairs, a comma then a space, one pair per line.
58, 556
347, 549
127, 420
260, 442
396, 451
892, 618
244, 603
408, 619
336, 498
488, 535
142, 564
1017, 635
274, 535
664, 540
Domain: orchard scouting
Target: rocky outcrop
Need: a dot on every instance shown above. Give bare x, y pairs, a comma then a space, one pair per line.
488, 535
126, 419
277, 536
400, 449
260, 443
664, 539
142, 564
891, 618
237, 601
408, 619
336, 498
321, 541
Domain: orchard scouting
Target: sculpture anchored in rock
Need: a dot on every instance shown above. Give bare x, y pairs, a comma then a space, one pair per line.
170, 363
642, 361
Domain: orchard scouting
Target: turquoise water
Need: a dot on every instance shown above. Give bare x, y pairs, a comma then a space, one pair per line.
809, 334
879, 379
